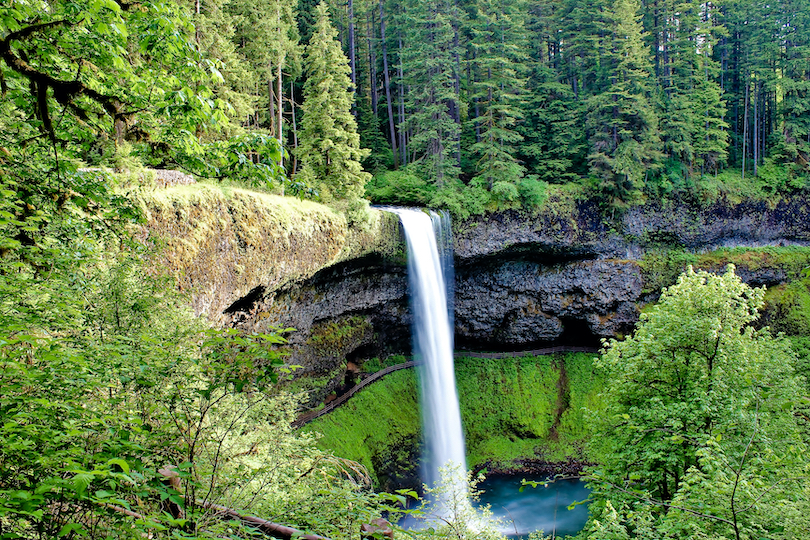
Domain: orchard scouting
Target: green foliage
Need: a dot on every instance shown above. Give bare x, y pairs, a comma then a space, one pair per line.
374, 365
252, 159
792, 260
511, 408
505, 400
660, 268
402, 188
788, 308
455, 518
586, 383
622, 121
330, 148
378, 427
431, 72
699, 421
462, 201
498, 38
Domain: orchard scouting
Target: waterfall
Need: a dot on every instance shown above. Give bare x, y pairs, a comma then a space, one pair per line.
433, 346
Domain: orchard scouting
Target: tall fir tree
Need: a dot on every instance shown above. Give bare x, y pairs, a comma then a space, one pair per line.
585, 31
692, 128
499, 62
267, 36
793, 139
214, 31
330, 152
431, 75
622, 122
553, 146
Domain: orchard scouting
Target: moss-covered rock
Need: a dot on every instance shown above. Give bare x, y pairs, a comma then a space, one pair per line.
221, 243
511, 408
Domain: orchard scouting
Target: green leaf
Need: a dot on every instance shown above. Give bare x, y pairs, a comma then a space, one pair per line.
71, 528
80, 482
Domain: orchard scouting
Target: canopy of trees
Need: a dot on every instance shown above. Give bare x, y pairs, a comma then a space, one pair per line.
700, 436
482, 104
486, 101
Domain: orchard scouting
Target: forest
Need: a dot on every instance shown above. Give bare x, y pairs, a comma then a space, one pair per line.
466, 105
122, 415
480, 104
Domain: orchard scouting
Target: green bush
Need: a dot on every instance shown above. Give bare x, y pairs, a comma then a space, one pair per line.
400, 188
788, 308
661, 267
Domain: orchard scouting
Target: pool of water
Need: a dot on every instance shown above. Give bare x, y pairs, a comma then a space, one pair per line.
544, 507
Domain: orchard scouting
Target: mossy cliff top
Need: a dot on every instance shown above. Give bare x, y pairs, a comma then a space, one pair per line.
221, 242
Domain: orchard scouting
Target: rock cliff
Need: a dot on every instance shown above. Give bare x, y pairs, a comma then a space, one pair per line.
567, 274
227, 245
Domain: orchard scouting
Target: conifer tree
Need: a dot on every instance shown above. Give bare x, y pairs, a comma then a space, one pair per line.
692, 126
553, 145
330, 152
622, 121
267, 36
214, 30
793, 141
431, 70
499, 62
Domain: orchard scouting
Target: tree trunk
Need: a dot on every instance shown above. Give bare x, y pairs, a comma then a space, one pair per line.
196, 23
372, 61
457, 84
745, 129
402, 141
280, 117
387, 77
271, 98
756, 128
352, 55
295, 130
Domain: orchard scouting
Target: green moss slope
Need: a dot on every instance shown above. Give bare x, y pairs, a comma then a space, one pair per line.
512, 408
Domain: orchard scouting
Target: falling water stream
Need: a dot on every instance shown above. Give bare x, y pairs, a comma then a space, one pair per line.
430, 268
433, 346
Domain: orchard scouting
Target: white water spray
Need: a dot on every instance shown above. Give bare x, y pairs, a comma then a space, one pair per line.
433, 346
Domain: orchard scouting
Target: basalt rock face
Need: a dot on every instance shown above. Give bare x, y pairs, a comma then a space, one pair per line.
521, 303
569, 275
354, 310
579, 230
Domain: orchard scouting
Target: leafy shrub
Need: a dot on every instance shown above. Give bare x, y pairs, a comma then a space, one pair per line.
533, 192
462, 201
661, 268
401, 188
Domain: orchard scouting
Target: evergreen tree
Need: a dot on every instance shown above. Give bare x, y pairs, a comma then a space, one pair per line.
214, 30
553, 145
692, 127
622, 121
431, 72
585, 31
500, 58
750, 53
793, 141
267, 36
330, 152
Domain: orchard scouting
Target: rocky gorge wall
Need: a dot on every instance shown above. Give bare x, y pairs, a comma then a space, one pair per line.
566, 274
227, 245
